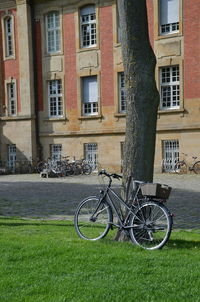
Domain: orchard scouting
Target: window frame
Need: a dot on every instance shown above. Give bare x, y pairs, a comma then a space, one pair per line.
55, 99
170, 154
56, 152
55, 30
12, 156
88, 24
6, 54
89, 108
91, 154
168, 28
171, 87
11, 99
121, 90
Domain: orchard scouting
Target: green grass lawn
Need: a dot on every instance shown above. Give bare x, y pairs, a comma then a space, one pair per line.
46, 261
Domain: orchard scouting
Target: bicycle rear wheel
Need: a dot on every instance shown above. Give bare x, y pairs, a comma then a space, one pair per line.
196, 167
151, 225
180, 167
92, 219
87, 169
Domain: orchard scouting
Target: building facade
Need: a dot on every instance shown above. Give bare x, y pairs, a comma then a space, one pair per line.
62, 82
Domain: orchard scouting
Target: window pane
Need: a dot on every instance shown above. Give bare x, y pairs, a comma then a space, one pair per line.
170, 87
90, 89
53, 32
55, 98
170, 155
88, 26
169, 11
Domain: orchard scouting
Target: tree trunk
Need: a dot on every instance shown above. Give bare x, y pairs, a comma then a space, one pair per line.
141, 91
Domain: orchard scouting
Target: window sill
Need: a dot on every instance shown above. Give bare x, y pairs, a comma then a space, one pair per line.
178, 110
85, 49
55, 119
169, 36
16, 118
171, 111
90, 117
123, 114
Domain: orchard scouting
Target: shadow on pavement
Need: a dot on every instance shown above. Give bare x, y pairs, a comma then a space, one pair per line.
47, 199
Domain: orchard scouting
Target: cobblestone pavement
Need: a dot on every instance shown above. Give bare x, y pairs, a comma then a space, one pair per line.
57, 198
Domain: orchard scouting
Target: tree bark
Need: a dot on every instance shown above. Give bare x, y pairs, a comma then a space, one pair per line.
141, 91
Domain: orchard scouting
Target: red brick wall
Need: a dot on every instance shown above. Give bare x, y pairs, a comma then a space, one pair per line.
191, 33
106, 47
70, 61
38, 66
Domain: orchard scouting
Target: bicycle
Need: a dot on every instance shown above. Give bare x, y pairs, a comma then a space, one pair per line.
147, 222
181, 167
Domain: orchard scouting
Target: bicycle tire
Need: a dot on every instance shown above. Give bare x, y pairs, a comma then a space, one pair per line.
87, 169
92, 228
151, 226
180, 167
69, 169
41, 166
196, 167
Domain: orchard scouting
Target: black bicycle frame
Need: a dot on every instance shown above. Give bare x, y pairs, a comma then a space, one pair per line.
108, 198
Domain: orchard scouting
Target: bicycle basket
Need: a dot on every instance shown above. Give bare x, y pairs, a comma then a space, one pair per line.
156, 190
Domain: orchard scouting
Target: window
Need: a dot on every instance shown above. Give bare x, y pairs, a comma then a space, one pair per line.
91, 155
122, 93
89, 95
170, 87
170, 154
55, 98
12, 157
8, 37
169, 16
56, 152
53, 32
12, 103
88, 26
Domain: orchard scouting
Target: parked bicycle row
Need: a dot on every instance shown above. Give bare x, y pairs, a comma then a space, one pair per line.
181, 166
65, 167
62, 167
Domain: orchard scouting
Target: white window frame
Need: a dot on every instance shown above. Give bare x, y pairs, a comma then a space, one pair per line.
170, 154
170, 87
169, 17
8, 27
53, 32
11, 99
91, 154
90, 106
56, 152
12, 156
122, 92
88, 26
55, 98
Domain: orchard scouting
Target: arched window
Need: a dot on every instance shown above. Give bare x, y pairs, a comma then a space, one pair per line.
8, 36
88, 26
53, 32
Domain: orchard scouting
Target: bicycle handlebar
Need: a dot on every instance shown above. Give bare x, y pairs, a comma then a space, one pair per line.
113, 175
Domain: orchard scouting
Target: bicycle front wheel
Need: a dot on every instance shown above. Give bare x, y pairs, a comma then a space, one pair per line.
92, 218
151, 225
196, 167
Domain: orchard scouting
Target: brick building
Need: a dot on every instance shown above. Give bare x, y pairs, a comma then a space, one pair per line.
62, 82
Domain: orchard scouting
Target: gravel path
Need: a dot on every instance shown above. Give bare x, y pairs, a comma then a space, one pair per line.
55, 198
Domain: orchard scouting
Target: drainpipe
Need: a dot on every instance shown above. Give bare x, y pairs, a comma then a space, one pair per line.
37, 135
